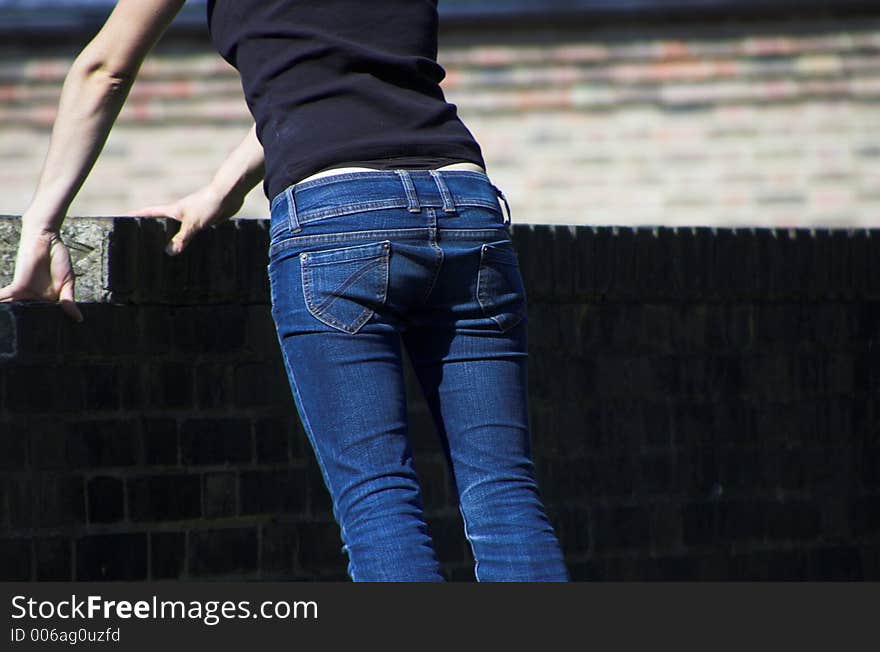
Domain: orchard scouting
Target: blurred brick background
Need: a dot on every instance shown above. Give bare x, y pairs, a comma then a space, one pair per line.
705, 405
739, 119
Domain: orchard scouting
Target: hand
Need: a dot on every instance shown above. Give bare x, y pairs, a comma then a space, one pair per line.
195, 212
43, 271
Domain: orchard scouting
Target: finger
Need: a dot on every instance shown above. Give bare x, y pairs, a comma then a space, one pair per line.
13, 293
166, 210
68, 302
181, 239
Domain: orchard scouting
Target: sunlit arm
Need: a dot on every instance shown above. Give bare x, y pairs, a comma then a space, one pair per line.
92, 96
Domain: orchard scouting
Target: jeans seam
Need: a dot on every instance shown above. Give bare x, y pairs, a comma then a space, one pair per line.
310, 433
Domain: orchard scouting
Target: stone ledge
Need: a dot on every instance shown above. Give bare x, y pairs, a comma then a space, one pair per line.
121, 260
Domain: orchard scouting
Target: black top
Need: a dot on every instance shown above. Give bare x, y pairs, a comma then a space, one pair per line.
341, 82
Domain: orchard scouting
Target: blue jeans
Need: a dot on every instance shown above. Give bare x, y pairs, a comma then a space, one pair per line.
362, 265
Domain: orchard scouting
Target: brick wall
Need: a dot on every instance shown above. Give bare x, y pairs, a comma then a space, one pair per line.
691, 122
705, 405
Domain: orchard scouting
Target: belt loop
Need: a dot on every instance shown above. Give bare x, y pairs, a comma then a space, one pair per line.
504, 199
448, 203
292, 220
412, 198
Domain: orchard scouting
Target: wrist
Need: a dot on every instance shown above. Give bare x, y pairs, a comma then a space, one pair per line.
32, 232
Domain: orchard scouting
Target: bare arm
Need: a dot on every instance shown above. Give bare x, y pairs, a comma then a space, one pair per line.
92, 96
93, 93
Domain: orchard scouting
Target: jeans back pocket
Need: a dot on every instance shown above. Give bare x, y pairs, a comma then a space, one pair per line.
500, 289
343, 287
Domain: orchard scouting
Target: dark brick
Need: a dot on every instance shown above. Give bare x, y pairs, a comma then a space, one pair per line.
272, 435
107, 557
320, 547
574, 530
740, 520
320, 502
59, 500
447, 537
432, 474
54, 559
280, 544
167, 555
108, 330
653, 264
16, 501
8, 333
252, 242
422, 431
36, 328
261, 384
133, 383
160, 444
155, 329
37, 386
625, 282
169, 497
209, 329
15, 560
666, 527
565, 252
735, 271
215, 441
97, 444
772, 565
655, 474
658, 425
618, 474
699, 524
213, 264
586, 571
835, 564
563, 479
621, 528
152, 263
169, 384
274, 491
793, 520
106, 501
579, 326
213, 387
220, 493
261, 339
124, 271
48, 443
101, 387
865, 516
744, 469
13, 446
669, 569
871, 562
222, 552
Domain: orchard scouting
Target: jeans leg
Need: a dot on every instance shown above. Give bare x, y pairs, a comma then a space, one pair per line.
349, 391
474, 380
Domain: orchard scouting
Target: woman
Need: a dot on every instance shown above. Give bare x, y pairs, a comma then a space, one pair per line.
385, 233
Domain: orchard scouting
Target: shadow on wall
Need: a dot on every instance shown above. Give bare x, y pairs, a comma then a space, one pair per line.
704, 406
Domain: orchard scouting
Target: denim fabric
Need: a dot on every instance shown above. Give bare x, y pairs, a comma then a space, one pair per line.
363, 266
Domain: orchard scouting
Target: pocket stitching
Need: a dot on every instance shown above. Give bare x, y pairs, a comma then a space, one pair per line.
482, 295
319, 311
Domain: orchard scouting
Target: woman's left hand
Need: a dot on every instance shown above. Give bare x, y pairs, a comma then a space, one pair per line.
195, 212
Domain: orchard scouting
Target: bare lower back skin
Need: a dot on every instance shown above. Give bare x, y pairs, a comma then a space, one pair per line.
473, 167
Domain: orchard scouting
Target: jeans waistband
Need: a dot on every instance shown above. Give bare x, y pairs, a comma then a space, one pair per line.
353, 192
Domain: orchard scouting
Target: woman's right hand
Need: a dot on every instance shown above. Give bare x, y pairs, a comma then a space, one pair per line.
43, 272
195, 212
